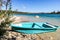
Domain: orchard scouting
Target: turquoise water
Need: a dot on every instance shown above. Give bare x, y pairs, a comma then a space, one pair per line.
50, 18
53, 19
43, 15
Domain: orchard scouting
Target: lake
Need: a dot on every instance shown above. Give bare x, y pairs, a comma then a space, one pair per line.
50, 18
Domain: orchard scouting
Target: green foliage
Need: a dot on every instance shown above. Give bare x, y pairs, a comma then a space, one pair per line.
6, 15
2, 31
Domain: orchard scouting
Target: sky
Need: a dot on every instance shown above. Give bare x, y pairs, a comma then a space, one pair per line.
36, 5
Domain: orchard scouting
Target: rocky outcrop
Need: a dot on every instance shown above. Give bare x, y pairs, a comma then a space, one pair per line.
11, 35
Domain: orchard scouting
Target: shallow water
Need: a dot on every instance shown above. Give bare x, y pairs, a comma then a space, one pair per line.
50, 18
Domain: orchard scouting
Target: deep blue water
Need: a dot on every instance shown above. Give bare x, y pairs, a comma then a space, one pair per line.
56, 16
42, 15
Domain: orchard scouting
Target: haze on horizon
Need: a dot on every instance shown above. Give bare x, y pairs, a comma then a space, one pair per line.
35, 5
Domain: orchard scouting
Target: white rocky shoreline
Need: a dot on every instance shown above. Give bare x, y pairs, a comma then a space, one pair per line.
12, 35
18, 36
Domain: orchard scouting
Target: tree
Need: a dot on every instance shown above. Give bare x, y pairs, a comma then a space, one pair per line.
5, 18
7, 3
0, 4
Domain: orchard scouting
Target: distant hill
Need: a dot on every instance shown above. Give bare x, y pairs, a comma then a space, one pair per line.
16, 12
